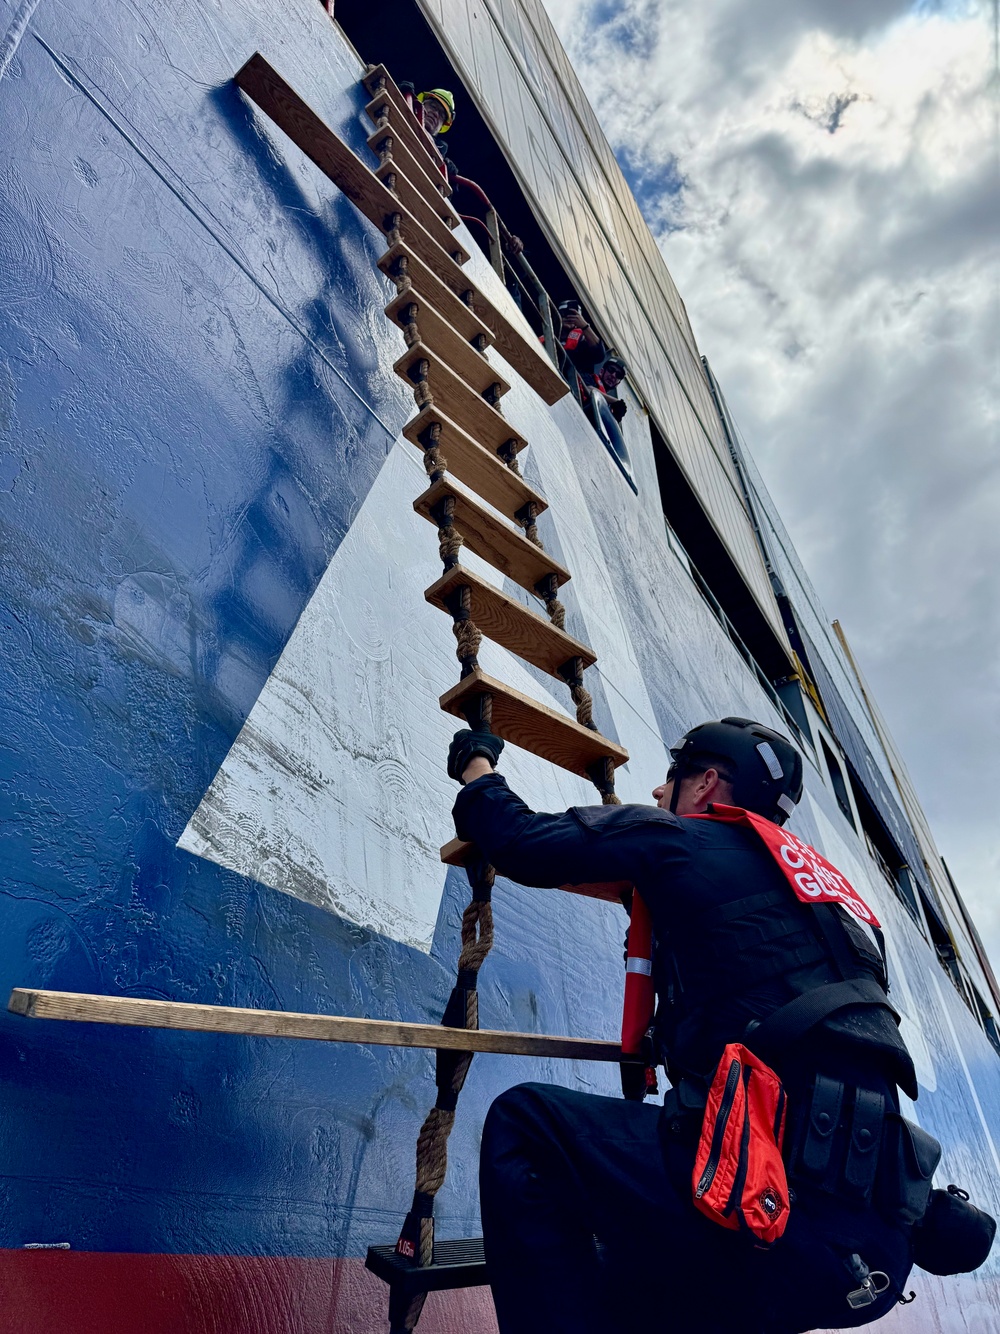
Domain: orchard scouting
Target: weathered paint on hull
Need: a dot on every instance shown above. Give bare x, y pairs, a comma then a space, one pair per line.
227, 782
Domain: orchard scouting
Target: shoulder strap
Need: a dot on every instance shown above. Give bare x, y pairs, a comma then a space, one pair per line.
794, 1020
840, 932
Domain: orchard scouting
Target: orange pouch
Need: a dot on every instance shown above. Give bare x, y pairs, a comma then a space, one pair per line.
739, 1175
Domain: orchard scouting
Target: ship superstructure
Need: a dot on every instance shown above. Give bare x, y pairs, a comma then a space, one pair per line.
224, 767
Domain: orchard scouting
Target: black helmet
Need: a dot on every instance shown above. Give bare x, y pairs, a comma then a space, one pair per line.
571, 304
616, 362
766, 769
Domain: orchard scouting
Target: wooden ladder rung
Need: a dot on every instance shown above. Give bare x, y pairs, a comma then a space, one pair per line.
463, 403
80, 1007
480, 470
509, 623
437, 220
277, 99
457, 312
490, 537
532, 726
413, 169
402, 119
459, 852
523, 352
435, 332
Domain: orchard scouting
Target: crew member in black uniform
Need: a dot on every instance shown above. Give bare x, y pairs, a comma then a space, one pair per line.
587, 1206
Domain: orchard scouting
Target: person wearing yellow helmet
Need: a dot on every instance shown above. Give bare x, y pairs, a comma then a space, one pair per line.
470, 201
438, 106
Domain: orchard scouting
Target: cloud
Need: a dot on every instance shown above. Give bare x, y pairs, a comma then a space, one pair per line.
822, 177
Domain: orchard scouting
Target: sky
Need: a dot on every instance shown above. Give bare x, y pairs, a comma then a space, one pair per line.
823, 179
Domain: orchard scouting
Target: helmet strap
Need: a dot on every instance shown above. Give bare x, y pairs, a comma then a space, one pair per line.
676, 792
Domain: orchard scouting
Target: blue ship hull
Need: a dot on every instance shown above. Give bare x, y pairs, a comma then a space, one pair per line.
221, 771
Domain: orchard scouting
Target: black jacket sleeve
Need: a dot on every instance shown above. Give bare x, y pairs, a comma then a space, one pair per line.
586, 843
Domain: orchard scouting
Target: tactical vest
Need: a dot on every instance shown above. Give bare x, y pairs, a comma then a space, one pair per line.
790, 971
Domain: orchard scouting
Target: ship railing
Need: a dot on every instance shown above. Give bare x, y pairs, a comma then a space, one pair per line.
528, 290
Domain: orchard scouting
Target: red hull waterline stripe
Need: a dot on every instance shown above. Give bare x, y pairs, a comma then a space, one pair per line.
87, 1292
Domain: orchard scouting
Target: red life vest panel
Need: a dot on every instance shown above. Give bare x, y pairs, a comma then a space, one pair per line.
640, 993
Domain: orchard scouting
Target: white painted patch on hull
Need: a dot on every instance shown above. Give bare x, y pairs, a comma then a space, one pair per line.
334, 790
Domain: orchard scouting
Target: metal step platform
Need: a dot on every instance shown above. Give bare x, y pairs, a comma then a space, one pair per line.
457, 1264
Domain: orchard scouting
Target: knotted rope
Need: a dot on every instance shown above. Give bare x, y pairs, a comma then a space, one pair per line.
416, 1239
508, 452
466, 632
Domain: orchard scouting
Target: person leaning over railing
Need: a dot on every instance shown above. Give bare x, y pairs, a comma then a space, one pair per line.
435, 110
607, 378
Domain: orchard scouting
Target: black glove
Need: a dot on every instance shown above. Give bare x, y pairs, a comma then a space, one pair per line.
618, 408
465, 745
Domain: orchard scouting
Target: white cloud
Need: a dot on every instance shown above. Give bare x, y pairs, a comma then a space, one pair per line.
835, 240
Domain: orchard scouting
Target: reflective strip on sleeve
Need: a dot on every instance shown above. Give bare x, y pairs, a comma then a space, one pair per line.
644, 966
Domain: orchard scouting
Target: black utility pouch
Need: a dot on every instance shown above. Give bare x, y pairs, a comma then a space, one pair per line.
910, 1157
954, 1237
838, 1140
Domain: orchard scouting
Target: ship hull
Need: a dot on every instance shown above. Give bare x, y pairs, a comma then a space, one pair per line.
224, 781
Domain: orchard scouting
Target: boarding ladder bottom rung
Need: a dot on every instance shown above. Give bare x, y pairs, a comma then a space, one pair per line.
457, 1264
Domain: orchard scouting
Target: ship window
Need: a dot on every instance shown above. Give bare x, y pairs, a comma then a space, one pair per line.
907, 890
944, 947
985, 1016
838, 783
717, 570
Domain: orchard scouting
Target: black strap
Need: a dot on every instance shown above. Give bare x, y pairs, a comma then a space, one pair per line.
835, 926
838, 942
795, 1019
863, 1145
824, 1118
879, 935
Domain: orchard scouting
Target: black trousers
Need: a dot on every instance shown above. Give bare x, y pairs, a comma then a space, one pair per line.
589, 1227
